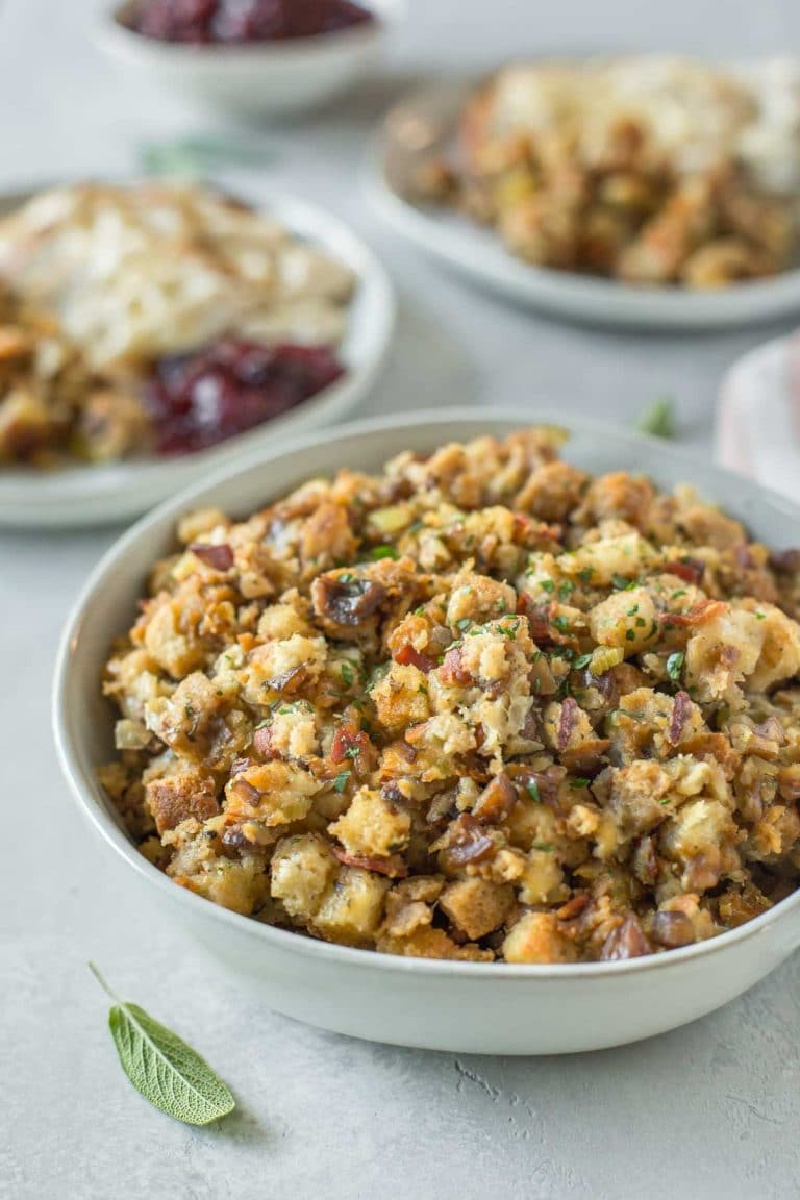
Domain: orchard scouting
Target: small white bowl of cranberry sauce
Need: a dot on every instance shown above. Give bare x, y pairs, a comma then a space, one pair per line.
252, 57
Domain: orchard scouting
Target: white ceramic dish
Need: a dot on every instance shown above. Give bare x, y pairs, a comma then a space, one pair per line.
426, 119
96, 495
465, 1007
273, 79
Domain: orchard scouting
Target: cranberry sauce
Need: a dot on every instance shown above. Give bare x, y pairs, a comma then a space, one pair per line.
203, 397
241, 21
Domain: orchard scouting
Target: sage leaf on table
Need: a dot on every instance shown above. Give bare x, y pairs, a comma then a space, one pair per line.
203, 154
162, 1068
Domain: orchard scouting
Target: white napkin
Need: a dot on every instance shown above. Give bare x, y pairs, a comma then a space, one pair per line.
758, 417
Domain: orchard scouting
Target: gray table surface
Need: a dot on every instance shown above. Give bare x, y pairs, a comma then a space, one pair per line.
709, 1111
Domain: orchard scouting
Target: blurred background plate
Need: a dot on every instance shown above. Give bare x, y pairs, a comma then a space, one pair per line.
425, 122
97, 495
268, 79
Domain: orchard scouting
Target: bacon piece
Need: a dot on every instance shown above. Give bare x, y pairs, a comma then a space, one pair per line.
628, 941
569, 713
680, 711
468, 842
691, 570
392, 865
452, 669
346, 740
531, 533
538, 618
698, 614
245, 791
495, 801
408, 656
262, 741
220, 558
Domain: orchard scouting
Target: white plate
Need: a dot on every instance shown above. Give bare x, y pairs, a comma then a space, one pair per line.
97, 495
489, 1008
427, 119
272, 79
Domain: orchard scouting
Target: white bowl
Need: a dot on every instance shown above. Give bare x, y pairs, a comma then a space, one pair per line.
258, 79
456, 1006
86, 495
426, 119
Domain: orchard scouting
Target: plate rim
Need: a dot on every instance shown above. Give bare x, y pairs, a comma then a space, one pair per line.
58, 499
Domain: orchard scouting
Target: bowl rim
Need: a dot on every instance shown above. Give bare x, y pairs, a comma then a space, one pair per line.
110, 24
85, 791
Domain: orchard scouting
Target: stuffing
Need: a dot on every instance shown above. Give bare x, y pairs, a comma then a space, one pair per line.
657, 170
404, 713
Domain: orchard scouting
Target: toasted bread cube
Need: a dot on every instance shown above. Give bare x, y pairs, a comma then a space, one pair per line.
301, 871
536, 938
176, 798
401, 697
353, 908
372, 825
626, 620
476, 905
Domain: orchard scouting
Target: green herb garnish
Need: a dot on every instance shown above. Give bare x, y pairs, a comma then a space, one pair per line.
659, 419
675, 665
162, 1068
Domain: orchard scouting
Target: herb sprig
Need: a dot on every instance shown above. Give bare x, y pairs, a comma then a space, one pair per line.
162, 1068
